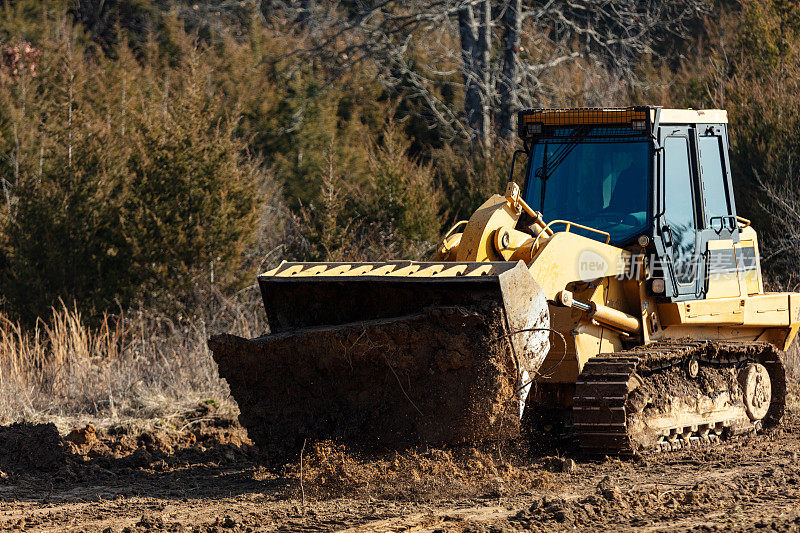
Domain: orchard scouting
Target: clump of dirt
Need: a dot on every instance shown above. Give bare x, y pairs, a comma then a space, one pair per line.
331, 470
218, 441
442, 376
26, 447
610, 504
84, 442
82, 436
34, 450
661, 391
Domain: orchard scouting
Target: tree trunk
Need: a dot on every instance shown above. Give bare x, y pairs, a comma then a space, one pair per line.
475, 34
509, 77
485, 70
467, 29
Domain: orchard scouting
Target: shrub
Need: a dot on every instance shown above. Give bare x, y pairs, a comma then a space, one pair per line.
126, 182
393, 214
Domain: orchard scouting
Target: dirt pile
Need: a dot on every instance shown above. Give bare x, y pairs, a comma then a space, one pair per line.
438, 377
36, 450
216, 440
638, 508
331, 470
26, 447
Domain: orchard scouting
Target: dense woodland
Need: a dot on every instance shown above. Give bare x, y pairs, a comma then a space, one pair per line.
151, 149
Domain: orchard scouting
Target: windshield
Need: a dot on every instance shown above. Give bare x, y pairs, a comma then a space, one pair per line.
583, 175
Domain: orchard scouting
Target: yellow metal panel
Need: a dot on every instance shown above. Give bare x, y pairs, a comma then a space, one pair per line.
747, 253
771, 309
568, 257
560, 365
723, 278
709, 333
592, 340
794, 307
752, 282
719, 311
477, 243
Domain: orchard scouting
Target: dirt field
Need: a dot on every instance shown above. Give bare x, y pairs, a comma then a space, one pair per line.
204, 475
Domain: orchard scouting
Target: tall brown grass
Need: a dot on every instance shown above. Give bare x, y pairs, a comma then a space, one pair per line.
135, 365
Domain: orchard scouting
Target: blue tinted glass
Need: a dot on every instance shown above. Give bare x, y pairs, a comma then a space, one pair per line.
595, 181
714, 190
680, 207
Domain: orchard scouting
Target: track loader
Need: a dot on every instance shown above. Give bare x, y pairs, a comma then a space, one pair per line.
615, 298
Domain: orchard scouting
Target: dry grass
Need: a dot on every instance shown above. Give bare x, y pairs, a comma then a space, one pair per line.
131, 366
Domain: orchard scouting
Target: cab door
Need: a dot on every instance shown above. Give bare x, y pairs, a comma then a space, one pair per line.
720, 231
678, 221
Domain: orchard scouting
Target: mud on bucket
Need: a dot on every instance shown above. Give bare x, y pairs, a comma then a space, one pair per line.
388, 361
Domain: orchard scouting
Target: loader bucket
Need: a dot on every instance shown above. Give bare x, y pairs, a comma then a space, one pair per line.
388, 354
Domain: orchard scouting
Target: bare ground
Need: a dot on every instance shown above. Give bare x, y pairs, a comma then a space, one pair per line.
204, 475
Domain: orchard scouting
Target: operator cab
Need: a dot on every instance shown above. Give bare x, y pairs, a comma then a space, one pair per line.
644, 171
607, 168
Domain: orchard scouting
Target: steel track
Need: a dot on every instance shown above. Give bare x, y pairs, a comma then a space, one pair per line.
601, 407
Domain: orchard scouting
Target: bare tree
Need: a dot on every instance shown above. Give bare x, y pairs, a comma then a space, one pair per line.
780, 252
475, 30
537, 38
508, 83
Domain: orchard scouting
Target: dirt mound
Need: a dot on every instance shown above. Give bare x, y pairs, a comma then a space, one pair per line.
331, 470
610, 504
26, 447
35, 450
443, 376
218, 441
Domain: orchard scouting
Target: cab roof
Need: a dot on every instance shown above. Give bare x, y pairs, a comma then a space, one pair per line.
618, 116
692, 116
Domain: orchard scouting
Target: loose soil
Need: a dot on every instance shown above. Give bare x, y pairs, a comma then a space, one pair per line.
203, 474
441, 376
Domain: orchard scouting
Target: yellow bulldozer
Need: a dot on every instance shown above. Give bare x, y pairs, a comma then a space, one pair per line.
615, 299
